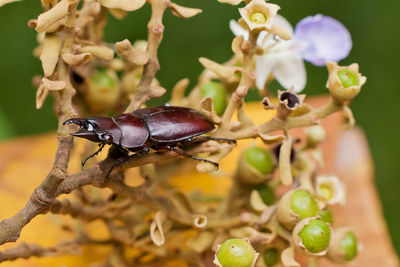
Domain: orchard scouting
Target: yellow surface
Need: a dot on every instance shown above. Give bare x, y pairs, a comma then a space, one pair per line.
24, 164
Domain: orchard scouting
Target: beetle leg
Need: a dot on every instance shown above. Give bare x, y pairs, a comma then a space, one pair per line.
121, 161
92, 155
200, 139
185, 154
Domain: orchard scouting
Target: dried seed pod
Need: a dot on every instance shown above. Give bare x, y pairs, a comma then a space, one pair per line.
344, 83
255, 166
344, 246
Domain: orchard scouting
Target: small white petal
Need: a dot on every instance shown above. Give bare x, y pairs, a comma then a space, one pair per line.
238, 30
290, 71
282, 22
264, 66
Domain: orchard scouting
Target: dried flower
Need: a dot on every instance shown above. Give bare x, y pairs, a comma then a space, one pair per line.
344, 83
344, 246
331, 189
259, 15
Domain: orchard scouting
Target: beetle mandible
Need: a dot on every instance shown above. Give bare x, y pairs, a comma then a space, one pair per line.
160, 128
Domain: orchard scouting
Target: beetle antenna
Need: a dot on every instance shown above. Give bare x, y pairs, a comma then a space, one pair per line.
92, 155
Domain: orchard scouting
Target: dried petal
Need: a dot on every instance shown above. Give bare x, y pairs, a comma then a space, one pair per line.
131, 54
126, 5
271, 139
285, 167
156, 229
256, 201
224, 72
200, 221
101, 52
44, 88
4, 2
207, 108
232, 2
54, 85
178, 92
183, 12
53, 15
50, 52
236, 43
76, 59
288, 259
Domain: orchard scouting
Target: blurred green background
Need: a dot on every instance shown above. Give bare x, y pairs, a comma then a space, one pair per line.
376, 43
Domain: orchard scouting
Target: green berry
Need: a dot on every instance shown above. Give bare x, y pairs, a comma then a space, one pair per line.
348, 78
315, 236
260, 159
236, 253
271, 256
349, 245
102, 78
258, 17
266, 193
217, 92
303, 204
326, 215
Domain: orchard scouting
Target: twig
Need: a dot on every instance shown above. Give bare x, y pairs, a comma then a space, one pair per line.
155, 35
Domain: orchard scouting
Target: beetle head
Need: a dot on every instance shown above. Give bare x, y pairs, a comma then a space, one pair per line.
94, 129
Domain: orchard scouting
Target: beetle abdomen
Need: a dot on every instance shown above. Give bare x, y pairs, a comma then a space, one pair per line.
173, 124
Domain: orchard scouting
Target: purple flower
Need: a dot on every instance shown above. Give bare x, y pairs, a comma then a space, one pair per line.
324, 39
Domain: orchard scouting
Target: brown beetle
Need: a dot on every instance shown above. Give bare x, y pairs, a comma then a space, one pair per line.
160, 128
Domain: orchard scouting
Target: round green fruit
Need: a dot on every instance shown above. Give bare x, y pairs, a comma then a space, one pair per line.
303, 204
315, 236
326, 215
349, 245
348, 78
236, 253
260, 159
217, 92
266, 193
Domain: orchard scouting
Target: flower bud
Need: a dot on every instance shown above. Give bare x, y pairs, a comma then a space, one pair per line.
103, 90
235, 253
217, 92
344, 246
296, 205
344, 83
312, 236
315, 135
255, 166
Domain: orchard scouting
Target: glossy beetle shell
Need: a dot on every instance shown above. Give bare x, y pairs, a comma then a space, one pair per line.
168, 125
151, 127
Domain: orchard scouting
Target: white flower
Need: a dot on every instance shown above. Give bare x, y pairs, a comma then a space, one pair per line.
281, 59
331, 189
